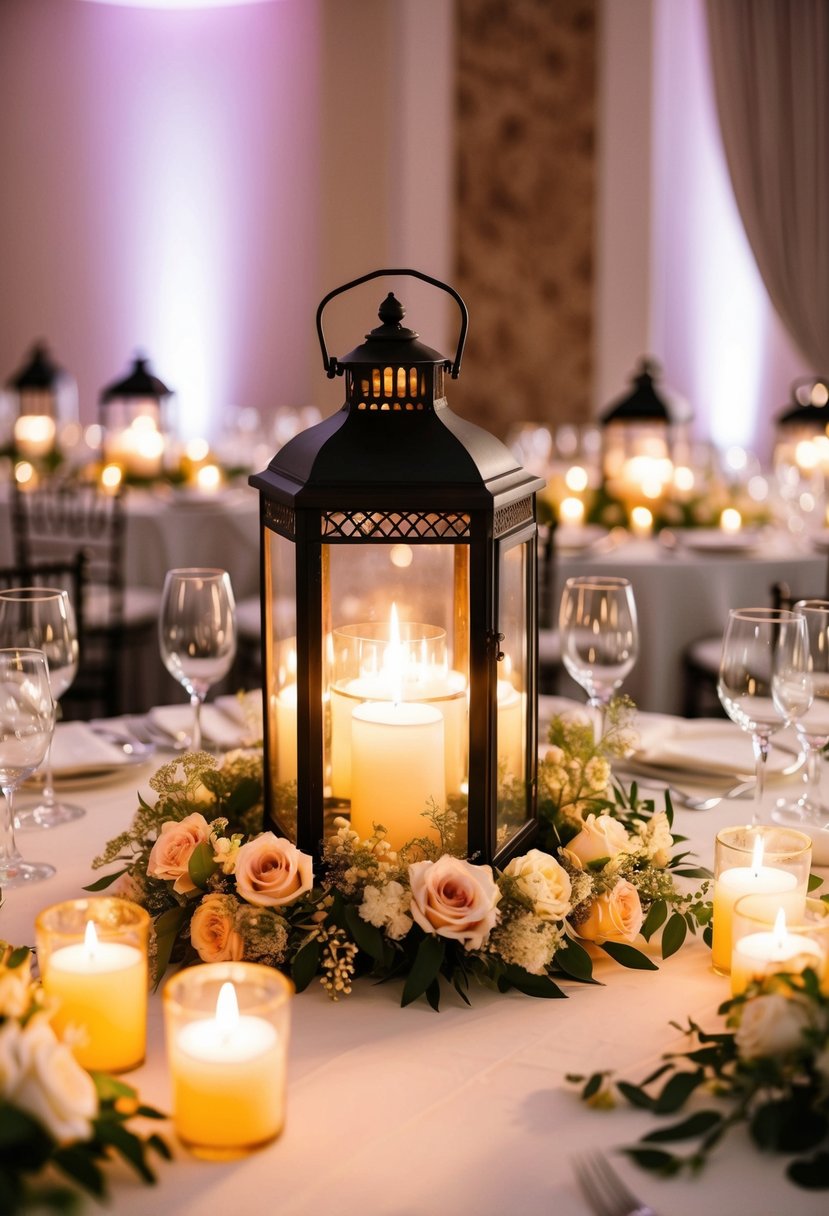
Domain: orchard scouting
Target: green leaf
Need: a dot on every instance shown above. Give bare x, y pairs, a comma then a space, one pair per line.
673, 935
368, 937
628, 956
425, 968
574, 960
695, 1125
654, 1159
635, 1095
18, 957
593, 1085
78, 1164
815, 881
202, 865
305, 964
692, 872
655, 918
677, 1090
105, 881
129, 1146
788, 1125
24, 1142
530, 985
812, 1173
167, 928
244, 795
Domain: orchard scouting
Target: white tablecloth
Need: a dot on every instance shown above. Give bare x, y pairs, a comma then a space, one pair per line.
401, 1112
682, 596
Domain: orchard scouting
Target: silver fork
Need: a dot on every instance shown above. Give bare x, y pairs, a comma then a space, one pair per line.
604, 1190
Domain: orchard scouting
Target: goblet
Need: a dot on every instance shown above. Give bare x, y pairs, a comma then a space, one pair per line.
197, 633
27, 721
43, 618
813, 725
599, 635
764, 682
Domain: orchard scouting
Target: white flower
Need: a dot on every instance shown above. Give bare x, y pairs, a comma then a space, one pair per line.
387, 908
15, 990
52, 1086
528, 942
601, 836
544, 882
771, 1024
11, 1057
658, 840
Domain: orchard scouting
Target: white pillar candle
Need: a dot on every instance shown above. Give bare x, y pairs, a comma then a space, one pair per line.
397, 768
34, 435
510, 729
758, 955
101, 992
286, 738
776, 888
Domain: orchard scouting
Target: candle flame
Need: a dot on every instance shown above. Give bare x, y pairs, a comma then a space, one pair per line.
90, 940
227, 1011
393, 657
757, 855
779, 931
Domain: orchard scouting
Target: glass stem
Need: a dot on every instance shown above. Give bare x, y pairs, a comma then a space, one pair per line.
48, 796
813, 769
761, 755
195, 742
8, 848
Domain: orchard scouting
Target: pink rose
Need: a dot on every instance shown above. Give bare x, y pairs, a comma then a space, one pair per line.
212, 933
171, 853
614, 916
454, 899
270, 871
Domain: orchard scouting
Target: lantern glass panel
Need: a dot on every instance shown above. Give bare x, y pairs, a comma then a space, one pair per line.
513, 692
395, 635
281, 681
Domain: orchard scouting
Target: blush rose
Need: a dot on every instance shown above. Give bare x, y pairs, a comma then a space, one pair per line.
171, 853
272, 872
212, 931
615, 915
454, 899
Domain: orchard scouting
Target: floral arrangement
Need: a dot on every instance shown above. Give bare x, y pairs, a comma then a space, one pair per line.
769, 1070
218, 887
52, 1112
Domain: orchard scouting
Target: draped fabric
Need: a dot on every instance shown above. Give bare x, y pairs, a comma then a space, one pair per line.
770, 61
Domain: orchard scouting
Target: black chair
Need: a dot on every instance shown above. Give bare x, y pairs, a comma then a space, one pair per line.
51, 523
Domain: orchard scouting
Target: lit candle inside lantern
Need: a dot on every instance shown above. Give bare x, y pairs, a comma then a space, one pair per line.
397, 758
510, 725
775, 888
576, 479
286, 741
34, 435
209, 478
641, 521
138, 448
101, 991
731, 520
758, 955
228, 1074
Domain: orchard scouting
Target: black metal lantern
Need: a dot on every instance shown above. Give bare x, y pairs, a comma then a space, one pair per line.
802, 429
41, 391
639, 437
133, 421
399, 608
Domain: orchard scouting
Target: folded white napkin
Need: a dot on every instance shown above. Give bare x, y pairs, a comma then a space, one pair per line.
706, 746
217, 727
77, 750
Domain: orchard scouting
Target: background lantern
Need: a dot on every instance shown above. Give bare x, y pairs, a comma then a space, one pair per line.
134, 423
399, 608
42, 396
639, 441
802, 432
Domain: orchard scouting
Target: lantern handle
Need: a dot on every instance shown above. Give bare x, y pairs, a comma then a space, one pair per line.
329, 362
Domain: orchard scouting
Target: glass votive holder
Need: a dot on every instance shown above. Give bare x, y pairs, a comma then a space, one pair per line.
769, 862
227, 1027
92, 955
768, 944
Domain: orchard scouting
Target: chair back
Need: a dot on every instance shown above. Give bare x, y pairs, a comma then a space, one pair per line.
67, 575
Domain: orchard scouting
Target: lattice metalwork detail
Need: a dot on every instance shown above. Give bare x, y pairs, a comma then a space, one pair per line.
395, 525
512, 516
280, 517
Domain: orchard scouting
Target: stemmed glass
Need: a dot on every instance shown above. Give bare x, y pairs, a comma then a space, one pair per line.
813, 725
764, 682
197, 633
599, 635
27, 722
43, 618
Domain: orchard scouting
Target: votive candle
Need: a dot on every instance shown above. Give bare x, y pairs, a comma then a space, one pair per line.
762, 949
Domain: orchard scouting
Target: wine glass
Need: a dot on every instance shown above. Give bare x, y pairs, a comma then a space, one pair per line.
764, 682
197, 633
43, 618
27, 722
813, 725
599, 635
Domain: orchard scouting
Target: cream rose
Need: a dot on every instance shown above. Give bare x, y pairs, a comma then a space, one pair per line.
660, 841
541, 879
614, 915
212, 931
454, 899
271, 872
53, 1087
171, 853
771, 1024
601, 836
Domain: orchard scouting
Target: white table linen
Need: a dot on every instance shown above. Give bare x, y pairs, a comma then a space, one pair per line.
401, 1112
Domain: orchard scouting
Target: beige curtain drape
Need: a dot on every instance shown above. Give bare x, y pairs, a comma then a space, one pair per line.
770, 61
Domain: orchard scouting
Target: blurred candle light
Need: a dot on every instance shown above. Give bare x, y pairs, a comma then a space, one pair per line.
571, 511
34, 435
641, 521
576, 479
731, 520
209, 477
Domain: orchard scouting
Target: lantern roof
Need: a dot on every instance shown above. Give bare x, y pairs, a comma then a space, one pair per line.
39, 373
809, 404
643, 403
391, 342
140, 382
